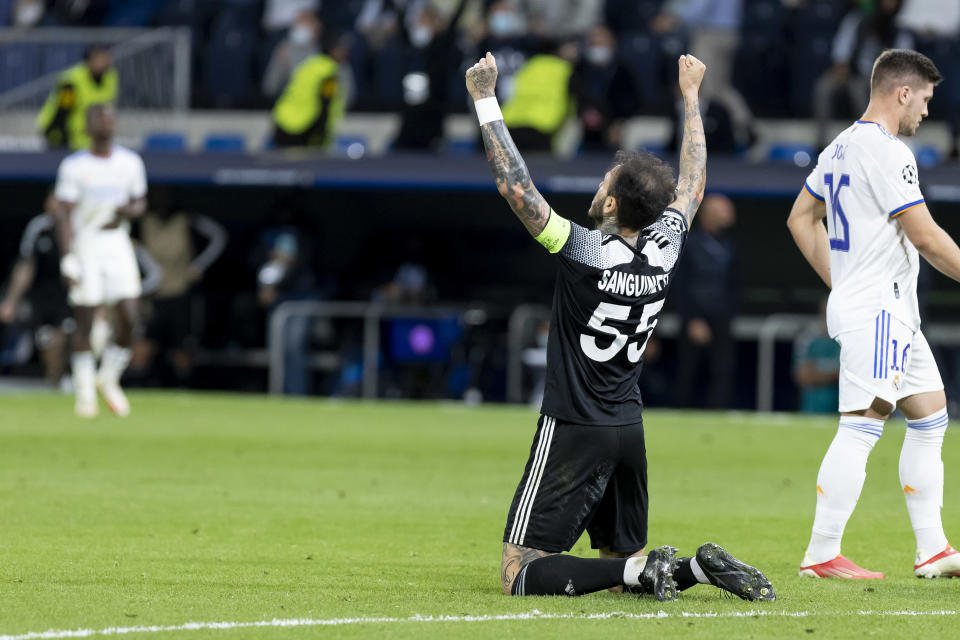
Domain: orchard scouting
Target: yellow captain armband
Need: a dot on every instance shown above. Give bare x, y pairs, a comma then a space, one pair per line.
555, 234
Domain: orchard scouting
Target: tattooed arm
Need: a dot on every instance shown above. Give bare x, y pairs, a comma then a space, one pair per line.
693, 152
509, 170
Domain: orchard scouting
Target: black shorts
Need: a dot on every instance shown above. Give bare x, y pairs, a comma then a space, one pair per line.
169, 325
580, 478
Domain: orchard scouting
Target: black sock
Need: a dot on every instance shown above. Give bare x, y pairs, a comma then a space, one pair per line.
683, 574
560, 575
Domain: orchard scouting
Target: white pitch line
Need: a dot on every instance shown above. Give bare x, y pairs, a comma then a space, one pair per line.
532, 615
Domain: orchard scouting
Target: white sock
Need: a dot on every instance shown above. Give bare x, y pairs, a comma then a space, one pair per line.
698, 572
921, 478
633, 569
114, 363
84, 370
839, 482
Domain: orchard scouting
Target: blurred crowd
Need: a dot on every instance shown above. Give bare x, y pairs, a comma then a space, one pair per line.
600, 61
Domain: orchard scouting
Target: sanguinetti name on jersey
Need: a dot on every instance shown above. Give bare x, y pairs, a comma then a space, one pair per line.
632, 284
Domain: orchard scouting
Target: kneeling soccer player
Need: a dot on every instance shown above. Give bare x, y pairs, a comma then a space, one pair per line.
587, 466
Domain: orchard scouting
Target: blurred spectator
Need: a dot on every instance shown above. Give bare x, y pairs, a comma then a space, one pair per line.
281, 15
410, 286
714, 27
816, 366
561, 19
505, 35
604, 91
168, 233
28, 13
312, 105
861, 37
377, 52
936, 26
36, 298
302, 41
286, 276
425, 86
63, 118
706, 294
541, 102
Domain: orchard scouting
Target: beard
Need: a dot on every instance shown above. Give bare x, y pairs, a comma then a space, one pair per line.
596, 212
907, 127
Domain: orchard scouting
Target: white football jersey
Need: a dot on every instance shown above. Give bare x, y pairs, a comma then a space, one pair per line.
98, 185
867, 177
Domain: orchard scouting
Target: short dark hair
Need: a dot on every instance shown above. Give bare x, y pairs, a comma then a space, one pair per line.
93, 49
897, 67
643, 185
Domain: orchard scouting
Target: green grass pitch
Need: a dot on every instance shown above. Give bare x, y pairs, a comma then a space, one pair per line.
238, 509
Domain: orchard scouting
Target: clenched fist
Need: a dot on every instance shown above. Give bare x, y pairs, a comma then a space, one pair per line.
482, 78
691, 75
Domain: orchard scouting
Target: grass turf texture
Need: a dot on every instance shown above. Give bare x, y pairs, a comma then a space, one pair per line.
242, 508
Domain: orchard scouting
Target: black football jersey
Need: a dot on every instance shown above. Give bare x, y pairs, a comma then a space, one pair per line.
39, 244
607, 301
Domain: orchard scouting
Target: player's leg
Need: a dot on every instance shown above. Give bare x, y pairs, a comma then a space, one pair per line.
116, 356
618, 526
83, 363
562, 484
123, 288
921, 466
869, 379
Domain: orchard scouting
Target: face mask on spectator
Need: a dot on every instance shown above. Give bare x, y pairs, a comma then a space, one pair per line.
504, 24
599, 56
301, 35
420, 36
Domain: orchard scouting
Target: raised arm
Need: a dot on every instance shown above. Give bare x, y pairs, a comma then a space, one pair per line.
509, 170
693, 151
806, 227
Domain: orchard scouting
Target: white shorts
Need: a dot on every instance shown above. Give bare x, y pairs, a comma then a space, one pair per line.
888, 361
108, 269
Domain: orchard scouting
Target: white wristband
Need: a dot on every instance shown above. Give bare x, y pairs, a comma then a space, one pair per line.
488, 110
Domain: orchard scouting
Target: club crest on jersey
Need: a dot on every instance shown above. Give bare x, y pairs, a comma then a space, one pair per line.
896, 383
631, 284
909, 174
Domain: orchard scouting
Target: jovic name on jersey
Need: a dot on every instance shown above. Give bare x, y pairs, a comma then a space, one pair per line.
867, 177
607, 301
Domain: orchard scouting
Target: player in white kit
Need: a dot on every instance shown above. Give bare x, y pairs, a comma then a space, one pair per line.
866, 186
97, 192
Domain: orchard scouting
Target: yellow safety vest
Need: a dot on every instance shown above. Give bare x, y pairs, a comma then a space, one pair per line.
541, 95
75, 91
314, 85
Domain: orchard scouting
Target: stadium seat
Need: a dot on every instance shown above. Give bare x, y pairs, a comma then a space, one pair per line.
165, 141
225, 142
796, 153
462, 146
927, 156
6, 12
20, 64
348, 146
62, 56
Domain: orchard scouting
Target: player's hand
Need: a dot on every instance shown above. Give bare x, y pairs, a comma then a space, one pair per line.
691, 75
482, 78
70, 268
7, 311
